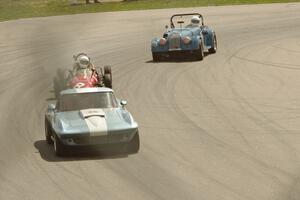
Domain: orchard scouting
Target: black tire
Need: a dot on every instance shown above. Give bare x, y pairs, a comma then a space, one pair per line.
58, 147
56, 87
107, 80
107, 69
155, 56
214, 47
48, 132
134, 144
62, 76
199, 53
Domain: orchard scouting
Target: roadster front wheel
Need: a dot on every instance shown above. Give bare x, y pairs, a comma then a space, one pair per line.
213, 49
199, 53
155, 56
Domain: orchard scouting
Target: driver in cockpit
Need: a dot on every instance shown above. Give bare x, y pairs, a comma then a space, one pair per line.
195, 22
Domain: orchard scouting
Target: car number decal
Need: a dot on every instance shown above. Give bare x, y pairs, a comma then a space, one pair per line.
79, 85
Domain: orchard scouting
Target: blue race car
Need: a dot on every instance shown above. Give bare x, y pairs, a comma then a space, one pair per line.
190, 40
89, 117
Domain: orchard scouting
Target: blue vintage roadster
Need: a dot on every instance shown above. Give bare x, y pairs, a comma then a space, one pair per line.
189, 40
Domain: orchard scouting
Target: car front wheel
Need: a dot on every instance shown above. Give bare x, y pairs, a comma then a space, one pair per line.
59, 149
107, 69
155, 56
213, 49
48, 132
56, 87
199, 53
107, 81
134, 144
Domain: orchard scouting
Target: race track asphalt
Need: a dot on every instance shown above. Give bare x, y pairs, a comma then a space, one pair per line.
223, 128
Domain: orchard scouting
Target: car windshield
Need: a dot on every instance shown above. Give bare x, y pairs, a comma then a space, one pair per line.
184, 21
81, 101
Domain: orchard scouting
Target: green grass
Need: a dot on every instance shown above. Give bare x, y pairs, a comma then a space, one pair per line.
15, 9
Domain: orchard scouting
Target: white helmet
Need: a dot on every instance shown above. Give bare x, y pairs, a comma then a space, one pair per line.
195, 20
83, 61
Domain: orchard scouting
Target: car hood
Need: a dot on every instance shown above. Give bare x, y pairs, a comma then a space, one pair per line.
184, 32
95, 122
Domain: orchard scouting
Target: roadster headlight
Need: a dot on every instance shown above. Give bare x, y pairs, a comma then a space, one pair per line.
186, 40
154, 44
162, 41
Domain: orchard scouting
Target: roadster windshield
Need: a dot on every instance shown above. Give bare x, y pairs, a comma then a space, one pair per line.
185, 20
80, 101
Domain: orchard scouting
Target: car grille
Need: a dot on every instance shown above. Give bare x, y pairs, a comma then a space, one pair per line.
117, 137
174, 42
111, 138
90, 140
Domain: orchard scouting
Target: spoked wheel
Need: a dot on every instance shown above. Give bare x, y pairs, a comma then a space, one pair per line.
107, 80
60, 73
62, 76
156, 56
199, 53
107, 69
214, 47
107, 76
56, 87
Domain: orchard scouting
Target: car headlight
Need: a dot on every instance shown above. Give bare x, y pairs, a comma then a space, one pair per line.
154, 44
186, 40
162, 41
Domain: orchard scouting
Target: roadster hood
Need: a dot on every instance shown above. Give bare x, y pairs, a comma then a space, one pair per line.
181, 32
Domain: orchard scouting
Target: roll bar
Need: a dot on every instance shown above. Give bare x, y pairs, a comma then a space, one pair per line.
185, 14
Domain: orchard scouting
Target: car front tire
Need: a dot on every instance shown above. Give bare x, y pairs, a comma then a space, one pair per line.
155, 56
213, 49
56, 87
48, 132
107, 69
58, 147
134, 144
199, 53
107, 81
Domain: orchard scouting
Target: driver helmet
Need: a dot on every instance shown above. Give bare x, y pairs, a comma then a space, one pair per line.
83, 61
195, 20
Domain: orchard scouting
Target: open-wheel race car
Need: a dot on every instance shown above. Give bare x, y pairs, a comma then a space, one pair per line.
88, 118
193, 39
82, 77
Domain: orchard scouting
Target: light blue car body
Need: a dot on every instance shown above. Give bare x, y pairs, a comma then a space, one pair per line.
73, 129
199, 35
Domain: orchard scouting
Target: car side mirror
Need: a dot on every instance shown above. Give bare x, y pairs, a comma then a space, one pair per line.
51, 107
123, 103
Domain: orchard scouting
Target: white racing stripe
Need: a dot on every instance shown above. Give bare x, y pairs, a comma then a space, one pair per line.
95, 121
